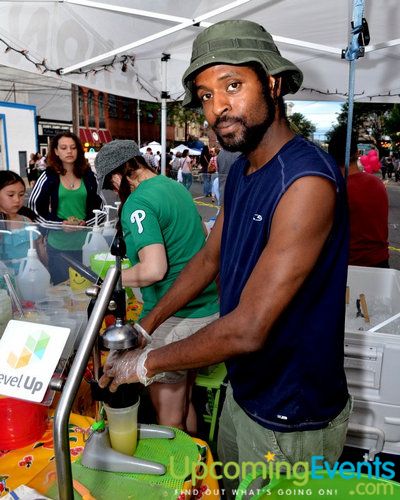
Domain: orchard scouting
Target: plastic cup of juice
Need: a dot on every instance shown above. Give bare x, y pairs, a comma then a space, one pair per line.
122, 427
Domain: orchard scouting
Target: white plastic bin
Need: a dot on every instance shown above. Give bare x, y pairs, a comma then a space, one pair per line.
372, 358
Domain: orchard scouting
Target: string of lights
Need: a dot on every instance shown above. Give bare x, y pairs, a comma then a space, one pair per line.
328, 92
43, 66
124, 61
370, 97
388, 94
139, 83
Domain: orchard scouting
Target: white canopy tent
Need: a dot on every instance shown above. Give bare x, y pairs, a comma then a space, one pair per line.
141, 49
181, 148
154, 145
75, 35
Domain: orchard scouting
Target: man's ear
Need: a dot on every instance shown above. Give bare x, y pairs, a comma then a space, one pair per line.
275, 85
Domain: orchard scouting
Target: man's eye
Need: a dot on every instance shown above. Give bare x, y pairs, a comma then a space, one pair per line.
205, 97
234, 86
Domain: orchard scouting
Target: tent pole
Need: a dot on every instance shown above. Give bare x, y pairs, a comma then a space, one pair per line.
164, 97
128, 10
354, 50
350, 112
75, 108
138, 122
155, 36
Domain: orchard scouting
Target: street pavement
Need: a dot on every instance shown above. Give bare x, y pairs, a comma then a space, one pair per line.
206, 208
393, 189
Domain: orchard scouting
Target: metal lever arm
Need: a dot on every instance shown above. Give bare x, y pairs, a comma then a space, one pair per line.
61, 416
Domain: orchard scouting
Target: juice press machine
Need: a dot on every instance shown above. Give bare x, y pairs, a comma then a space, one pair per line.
98, 454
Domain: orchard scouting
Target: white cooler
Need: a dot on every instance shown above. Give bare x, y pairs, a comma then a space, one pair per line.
372, 360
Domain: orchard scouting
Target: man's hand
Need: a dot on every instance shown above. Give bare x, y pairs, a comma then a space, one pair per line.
120, 368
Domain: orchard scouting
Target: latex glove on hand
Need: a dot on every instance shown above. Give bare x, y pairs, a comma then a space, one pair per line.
120, 368
126, 367
144, 338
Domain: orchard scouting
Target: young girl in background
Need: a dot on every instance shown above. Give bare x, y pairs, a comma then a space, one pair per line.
14, 239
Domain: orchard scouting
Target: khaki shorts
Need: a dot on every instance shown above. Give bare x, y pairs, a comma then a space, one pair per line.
175, 329
241, 439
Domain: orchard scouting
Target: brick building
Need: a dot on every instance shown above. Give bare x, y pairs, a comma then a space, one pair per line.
103, 117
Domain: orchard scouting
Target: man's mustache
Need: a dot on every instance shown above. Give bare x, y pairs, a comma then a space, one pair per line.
227, 120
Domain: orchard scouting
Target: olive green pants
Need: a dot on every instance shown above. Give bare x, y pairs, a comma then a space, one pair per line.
241, 439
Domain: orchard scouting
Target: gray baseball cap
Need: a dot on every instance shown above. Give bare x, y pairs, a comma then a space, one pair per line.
238, 42
113, 155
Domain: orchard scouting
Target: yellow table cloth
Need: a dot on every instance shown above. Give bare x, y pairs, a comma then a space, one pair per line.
20, 466
34, 465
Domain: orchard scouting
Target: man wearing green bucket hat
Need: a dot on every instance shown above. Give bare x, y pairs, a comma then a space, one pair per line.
280, 246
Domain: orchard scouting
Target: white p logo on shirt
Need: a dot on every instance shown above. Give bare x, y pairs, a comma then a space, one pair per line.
137, 217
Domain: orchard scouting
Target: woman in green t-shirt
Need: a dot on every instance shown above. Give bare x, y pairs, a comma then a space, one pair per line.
163, 231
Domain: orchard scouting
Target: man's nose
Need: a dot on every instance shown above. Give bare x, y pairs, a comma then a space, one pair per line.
220, 104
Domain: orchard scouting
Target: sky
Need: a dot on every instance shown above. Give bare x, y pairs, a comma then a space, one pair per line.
321, 113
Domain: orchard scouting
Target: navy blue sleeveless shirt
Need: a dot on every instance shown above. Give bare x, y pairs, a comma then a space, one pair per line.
297, 380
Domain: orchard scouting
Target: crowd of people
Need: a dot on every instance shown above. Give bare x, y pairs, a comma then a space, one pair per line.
181, 166
36, 166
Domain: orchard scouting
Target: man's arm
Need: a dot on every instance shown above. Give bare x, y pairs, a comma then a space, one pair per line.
300, 227
201, 270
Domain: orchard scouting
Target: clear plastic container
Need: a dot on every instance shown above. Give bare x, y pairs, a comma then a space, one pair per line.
122, 427
49, 304
5, 310
94, 243
33, 278
79, 302
60, 292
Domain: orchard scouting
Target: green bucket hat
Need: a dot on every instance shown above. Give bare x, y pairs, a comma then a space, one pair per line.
238, 42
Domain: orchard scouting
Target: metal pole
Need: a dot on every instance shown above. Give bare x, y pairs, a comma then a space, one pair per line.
169, 31
350, 111
138, 122
353, 52
75, 109
164, 97
61, 416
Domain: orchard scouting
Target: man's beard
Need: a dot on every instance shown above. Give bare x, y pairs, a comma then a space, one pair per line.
250, 138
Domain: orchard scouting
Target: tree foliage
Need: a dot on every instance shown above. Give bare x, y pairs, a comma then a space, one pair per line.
178, 115
392, 122
370, 117
301, 125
